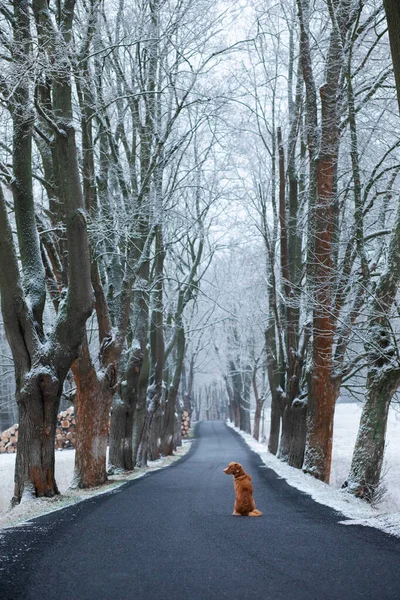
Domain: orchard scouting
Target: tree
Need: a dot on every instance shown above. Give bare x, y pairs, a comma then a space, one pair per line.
383, 373
392, 9
42, 361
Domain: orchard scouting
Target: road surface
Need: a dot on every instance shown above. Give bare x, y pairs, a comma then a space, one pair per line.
171, 536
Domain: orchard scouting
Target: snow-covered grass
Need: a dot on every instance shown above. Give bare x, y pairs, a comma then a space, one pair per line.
386, 514
64, 470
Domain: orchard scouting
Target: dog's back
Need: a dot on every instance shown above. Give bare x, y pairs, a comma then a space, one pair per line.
244, 503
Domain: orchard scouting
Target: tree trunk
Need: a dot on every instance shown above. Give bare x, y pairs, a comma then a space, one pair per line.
275, 422
167, 439
41, 365
257, 419
366, 465
259, 406
241, 406
117, 441
298, 434
392, 8
153, 404
121, 453
93, 401
38, 404
140, 413
23, 121
157, 336
274, 354
383, 377
321, 387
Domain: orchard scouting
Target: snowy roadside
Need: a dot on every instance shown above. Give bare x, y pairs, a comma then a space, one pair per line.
64, 470
356, 512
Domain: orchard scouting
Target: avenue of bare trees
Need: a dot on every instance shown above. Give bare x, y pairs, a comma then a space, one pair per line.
199, 210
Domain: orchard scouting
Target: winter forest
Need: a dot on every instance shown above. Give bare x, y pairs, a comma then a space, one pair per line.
199, 214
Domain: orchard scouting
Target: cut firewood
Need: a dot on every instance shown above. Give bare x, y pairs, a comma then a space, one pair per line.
65, 435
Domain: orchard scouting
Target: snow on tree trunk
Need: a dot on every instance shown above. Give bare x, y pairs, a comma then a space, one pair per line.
383, 377
41, 365
38, 402
366, 465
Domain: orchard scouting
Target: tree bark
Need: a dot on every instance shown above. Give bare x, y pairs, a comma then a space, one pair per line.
41, 364
366, 466
167, 438
94, 394
121, 452
322, 389
383, 377
23, 121
392, 9
241, 405
260, 400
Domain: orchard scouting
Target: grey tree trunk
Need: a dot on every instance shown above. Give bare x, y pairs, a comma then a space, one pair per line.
124, 407
240, 402
392, 9
41, 364
366, 466
168, 434
383, 377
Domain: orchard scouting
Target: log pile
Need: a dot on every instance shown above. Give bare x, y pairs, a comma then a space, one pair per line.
65, 433
66, 430
8, 440
185, 424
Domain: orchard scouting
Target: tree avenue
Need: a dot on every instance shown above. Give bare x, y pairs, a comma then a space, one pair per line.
199, 219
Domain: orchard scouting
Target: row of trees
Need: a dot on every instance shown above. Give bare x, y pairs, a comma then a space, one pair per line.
321, 138
174, 189
111, 125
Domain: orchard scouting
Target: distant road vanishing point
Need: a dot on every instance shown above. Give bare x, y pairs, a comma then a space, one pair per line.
171, 536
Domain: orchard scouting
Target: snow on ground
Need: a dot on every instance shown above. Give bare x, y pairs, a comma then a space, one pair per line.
64, 470
386, 514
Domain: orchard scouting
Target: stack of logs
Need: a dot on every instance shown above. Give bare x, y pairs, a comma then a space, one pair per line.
8, 440
185, 424
65, 433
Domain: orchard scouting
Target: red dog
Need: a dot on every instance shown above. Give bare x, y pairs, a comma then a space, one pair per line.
244, 502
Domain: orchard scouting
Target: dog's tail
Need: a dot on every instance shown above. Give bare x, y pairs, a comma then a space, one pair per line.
254, 513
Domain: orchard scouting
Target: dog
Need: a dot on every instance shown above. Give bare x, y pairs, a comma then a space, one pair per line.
244, 502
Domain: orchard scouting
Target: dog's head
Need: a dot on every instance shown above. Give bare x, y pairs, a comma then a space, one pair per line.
234, 469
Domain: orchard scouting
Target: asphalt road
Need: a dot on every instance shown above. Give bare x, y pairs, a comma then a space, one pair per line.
171, 536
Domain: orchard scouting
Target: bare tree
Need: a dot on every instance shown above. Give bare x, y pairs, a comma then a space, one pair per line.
383, 373
42, 362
